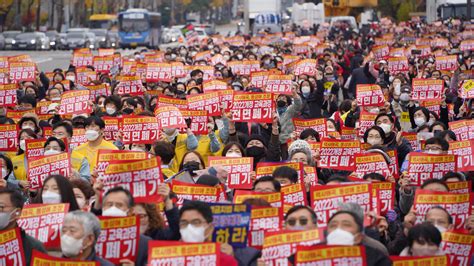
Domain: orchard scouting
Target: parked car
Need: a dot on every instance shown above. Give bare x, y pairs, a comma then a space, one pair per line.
79, 39
10, 38
62, 40
31, 41
2, 42
93, 40
54, 39
114, 39
101, 36
172, 37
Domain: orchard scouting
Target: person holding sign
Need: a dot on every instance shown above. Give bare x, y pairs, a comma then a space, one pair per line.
301, 218
79, 234
57, 189
11, 204
423, 240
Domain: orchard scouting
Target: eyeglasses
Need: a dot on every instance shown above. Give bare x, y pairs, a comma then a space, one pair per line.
301, 221
194, 222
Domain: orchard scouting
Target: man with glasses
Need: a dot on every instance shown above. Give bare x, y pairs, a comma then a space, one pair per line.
11, 204
301, 218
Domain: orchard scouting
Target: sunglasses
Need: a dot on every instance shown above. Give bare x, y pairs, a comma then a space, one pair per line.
301, 221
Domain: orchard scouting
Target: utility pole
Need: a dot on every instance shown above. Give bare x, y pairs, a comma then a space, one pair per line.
469, 7
246, 17
172, 14
38, 15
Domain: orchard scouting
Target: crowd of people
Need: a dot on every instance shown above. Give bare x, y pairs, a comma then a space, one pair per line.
343, 60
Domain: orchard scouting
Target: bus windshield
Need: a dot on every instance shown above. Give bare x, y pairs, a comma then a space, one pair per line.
455, 11
134, 25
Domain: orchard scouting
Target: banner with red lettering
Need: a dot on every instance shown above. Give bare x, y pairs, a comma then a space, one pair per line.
8, 95
420, 260
274, 198
330, 255
139, 129
424, 166
464, 129
446, 62
188, 191
459, 246
118, 239
81, 59
103, 64
104, 157
226, 98
413, 139
22, 71
111, 128
199, 120
34, 148
164, 100
459, 186
383, 197
369, 95
366, 121
8, 137
306, 67
393, 166
279, 246
129, 85
458, 205
366, 163
141, 178
381, 51
158, 72
253, 107
41, 259
84, 75
259, 79
98, 90
338, 154
464, 150
78, 138
11, 246
214, 85
181, 253
318, 124
4, 75
466, 90
169, 117
279, 84
427, 89
263, 219
267, 168
294, 195
238, 170
43, 166
325, 200
397, 64
208, 101
75, 102
44, 222
244, 67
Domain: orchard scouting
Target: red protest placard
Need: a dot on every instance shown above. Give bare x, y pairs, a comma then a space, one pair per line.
366, 121
226, 98
111, 128
274, 198
8, 95
118, 239
466, 90
75, 102
467, 45
259, 79
318, 124
11, 245
253, 107
141, 178
446, 62
306, 67
294, 195
413, 139
158, 72
98, 90
41, 259
279, 84
325, 199
78, 138
263, 219
393, 166
459, 246
181, 253
43, 166
456, 204
238, 170
164, 100
427, 89
369, 95
104, 157
338, 154
214, 85
310, 175
424, 166
34, 147
106, 51
4, 76
267, 168
421, 260
22, 71
330, 255
245, 67
279, 246
464, 129
464, 149
129, 85
139, 129
366, 163
169, 117
103, 64
381, 51
459, 186
208, 101
397, 65
383, 197
84, 75
81, 59
190, 191
208, 72
199, 120
44, 222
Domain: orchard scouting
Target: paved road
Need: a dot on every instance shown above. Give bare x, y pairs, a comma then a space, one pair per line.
49, 60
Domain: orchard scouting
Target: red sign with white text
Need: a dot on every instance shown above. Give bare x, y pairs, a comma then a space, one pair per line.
118, 239
41, 167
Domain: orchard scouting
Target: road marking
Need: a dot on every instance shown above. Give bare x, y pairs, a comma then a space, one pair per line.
44, 60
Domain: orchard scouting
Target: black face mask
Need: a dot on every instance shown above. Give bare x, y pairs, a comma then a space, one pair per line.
255, 152
191, 167
281, 103
127, 111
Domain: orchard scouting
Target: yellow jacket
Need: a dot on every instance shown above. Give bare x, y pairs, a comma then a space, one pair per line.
204, 146
91, 152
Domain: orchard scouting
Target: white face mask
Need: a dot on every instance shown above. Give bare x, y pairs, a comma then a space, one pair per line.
419, 121
114, 212
340, 237
305, 89
71, 78
373, 141
136, 149
374, 110
424, 251
55, 99
27, 127
440, 228
109, 110
404, 97
81, 202
92, 135
51, 197
5, 219
233, 155
387, 128
70, 246
23, 144
397, 88
51, 152
4, 172
193, 234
